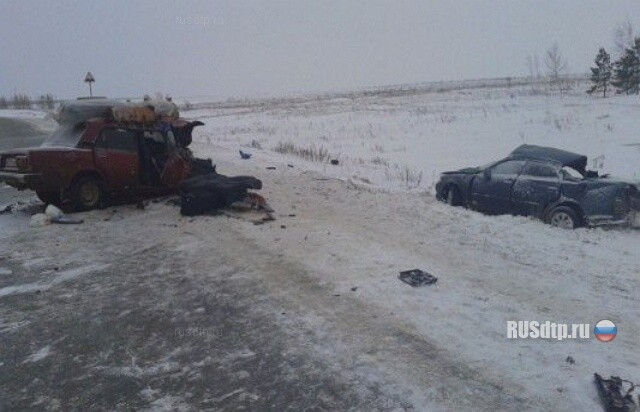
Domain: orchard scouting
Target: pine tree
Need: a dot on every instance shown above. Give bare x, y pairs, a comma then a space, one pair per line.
601, 74
626, 72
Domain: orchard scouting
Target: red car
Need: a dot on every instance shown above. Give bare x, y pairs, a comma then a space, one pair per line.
91, 156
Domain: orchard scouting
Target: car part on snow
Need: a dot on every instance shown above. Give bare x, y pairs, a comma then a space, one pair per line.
207, 193
65, 220
611, 394
253, 201
417, 277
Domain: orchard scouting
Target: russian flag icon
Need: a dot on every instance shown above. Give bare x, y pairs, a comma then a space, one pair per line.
605, 331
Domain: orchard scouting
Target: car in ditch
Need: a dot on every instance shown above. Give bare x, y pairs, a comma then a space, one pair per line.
551, 184
95, 155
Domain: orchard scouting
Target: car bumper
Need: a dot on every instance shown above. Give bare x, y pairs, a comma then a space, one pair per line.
19, 180
439, 187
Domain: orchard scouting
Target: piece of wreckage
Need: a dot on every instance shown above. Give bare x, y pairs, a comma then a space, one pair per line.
104, 149
208, 193
613, 396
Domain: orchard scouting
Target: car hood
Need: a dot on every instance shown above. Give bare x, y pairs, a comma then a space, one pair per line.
569, 159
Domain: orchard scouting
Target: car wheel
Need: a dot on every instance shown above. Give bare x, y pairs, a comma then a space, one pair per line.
563, 217
49, 198
453, 196
87, 193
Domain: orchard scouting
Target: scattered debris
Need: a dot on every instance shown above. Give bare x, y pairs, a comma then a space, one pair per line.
291, 166
53, 212
244, 155
268, 218
253, 201
570, 360
283, 226
611, 394
417, 277
52, 215
39, 219
353, 289
335, 162
271, 168
66, 220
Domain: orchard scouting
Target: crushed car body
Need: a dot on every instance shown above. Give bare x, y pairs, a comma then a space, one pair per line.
551, 184
105, 148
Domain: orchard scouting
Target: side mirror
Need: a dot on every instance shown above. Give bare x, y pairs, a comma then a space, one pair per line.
487, 174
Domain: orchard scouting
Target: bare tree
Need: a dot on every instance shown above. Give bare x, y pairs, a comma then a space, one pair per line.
533, 64
556, 66
623, 37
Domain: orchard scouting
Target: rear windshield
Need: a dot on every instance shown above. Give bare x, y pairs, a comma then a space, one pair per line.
65, 136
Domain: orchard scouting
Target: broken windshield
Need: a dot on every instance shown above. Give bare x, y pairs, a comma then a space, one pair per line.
569, 173
65, 136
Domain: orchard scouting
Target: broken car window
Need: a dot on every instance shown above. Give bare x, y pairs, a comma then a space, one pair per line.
570, 174
538, 169
65, 136
118, 139
510, 167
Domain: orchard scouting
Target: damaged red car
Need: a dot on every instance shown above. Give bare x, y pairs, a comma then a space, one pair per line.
97, 153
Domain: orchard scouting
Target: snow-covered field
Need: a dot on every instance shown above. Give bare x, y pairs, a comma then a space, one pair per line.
326, 269
405, 139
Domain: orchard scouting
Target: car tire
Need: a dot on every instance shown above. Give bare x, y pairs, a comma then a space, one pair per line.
49, 198
453, 197
87, 193
564, 217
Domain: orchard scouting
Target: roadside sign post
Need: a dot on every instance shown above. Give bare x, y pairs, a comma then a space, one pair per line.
89, 79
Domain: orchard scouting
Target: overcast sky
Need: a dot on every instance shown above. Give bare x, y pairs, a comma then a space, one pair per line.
246, 48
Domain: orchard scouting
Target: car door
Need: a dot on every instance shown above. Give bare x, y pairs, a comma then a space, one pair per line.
117, 156
536, 187
491, 191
